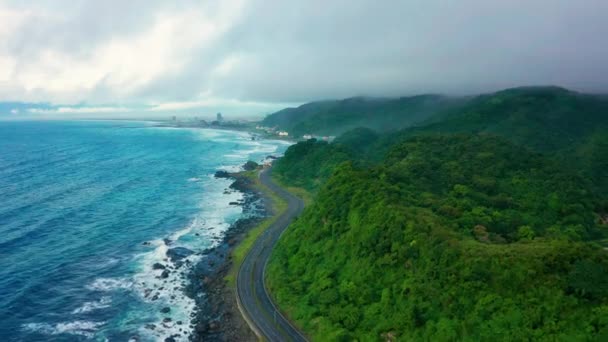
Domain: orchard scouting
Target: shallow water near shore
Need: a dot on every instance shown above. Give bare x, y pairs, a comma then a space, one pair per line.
88, 208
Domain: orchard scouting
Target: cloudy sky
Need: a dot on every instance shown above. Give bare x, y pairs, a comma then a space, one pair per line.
250, 57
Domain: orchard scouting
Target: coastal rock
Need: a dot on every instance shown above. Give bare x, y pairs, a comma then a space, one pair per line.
178, 253
165, 274
167, 241
150, 326
158, 266
166, 309
250, 165
222, 174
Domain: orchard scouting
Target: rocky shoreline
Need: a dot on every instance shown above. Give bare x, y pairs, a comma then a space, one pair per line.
217, 317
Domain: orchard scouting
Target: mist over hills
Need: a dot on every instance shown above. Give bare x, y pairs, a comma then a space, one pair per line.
337, 116
487, 217
495, 112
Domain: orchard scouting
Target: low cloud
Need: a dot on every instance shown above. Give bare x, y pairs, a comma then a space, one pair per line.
79, 110
188, 55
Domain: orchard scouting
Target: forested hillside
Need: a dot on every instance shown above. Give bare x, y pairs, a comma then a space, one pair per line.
562, 124
451, 237
541, 118
486, 223
335, 117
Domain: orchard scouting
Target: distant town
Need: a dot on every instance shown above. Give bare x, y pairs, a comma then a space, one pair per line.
221, 123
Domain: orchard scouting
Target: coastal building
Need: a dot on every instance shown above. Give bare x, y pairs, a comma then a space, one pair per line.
283, 134
307, 136
219, 118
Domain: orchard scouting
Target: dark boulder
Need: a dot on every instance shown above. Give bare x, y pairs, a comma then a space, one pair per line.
166, 309
158, 266
165, 274
222, 174
250, 165
178, 253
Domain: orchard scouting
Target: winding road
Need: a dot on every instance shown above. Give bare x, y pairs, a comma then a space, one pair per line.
254, 301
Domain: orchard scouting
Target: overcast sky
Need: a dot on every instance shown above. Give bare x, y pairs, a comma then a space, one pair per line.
254, 56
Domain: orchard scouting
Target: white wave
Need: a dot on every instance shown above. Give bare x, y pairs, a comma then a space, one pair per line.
197, 222
109, 284
82, 328
164, 287
103, 303
193, 179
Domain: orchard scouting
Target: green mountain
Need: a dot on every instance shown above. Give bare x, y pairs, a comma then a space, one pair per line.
451, 238
335, 117
541, 118
486, 222
562, 124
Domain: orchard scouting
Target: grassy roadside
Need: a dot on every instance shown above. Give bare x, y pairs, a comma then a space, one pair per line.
277, 207
304, 194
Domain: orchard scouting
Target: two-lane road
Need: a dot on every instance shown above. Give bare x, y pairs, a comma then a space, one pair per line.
255, 302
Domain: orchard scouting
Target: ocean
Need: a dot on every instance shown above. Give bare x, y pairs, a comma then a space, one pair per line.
88, 207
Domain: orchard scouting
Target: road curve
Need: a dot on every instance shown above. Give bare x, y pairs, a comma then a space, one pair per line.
254, 301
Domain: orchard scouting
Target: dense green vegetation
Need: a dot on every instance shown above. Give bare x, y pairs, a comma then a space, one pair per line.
335, 117
541, 118
486, 223
309, 163
451, 237
566, 125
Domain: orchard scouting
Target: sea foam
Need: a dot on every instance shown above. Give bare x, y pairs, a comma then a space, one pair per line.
82, 328
109, 284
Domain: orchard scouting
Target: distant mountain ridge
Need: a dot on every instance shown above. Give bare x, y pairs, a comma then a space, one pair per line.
337, 116
543, 118
521, 111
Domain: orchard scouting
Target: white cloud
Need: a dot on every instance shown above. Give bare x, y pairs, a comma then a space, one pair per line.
7, 68
120, 64
123, 64
79, 110
196, 54
216, 103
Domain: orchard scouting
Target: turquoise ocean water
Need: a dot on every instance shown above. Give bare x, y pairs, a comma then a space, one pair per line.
84, 210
